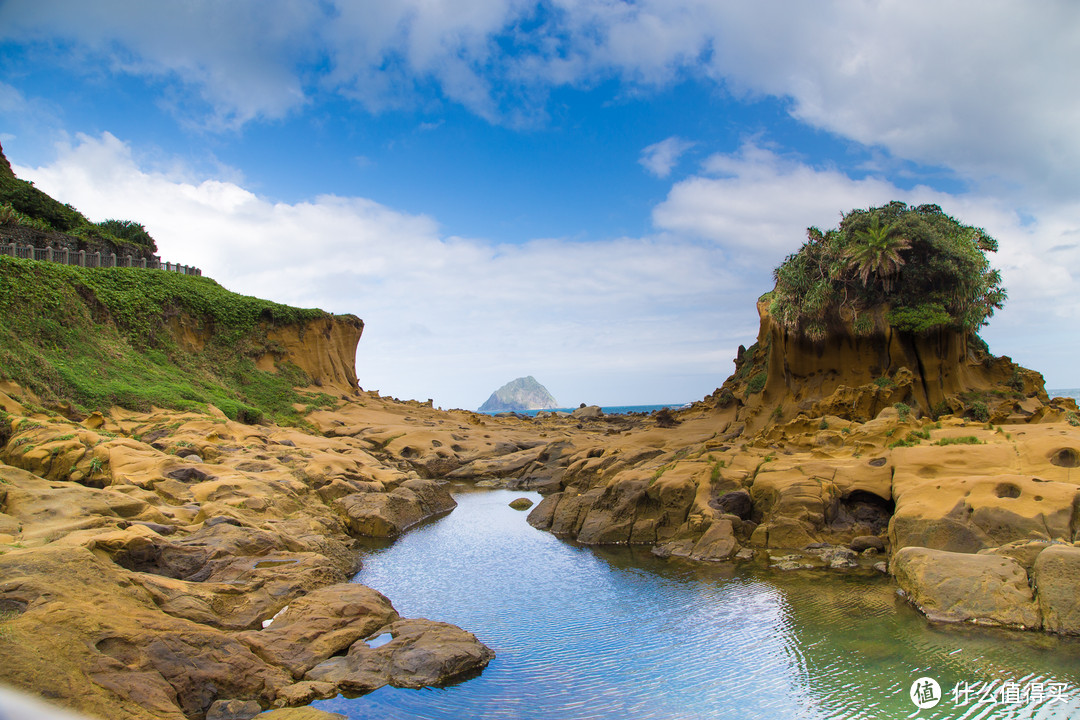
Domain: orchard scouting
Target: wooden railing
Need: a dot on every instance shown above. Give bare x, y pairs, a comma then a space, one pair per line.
82, 258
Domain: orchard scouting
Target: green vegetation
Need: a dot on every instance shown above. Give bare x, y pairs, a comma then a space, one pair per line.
1072, 419
101, 337
876, 252
319, 401
23, 204
757, 383
962, 440
930, 269
913, 438
940, 409
752, 368
7, 616
980, 411
903, 410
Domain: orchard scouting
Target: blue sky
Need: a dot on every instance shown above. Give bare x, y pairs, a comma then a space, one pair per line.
592, 192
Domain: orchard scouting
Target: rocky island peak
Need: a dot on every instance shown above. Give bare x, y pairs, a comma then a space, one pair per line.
523, 393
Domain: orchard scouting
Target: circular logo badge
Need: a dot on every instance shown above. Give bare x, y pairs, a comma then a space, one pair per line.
925, 693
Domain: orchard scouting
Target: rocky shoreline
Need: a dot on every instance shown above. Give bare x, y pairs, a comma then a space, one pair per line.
185, 565
165, 565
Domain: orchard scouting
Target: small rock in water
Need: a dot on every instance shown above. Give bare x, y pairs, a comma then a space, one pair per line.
233, 710
866, 542
521, 504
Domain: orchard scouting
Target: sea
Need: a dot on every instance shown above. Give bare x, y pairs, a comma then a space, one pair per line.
628, 409
608, 409
1073, 393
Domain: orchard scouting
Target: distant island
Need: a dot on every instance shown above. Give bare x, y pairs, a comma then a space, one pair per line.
518, 395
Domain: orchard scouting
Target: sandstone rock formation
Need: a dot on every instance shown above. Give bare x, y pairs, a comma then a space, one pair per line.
956, 587
855, 375
138, 584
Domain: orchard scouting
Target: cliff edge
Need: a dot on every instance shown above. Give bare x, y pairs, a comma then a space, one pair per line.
855, 375
134, 338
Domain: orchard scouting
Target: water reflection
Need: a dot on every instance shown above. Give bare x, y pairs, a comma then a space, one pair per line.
617, 633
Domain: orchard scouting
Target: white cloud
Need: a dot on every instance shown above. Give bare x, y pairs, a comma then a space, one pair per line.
447, 317
660, 158
239, 59
756, 204
986, 93
651, 319
980, 92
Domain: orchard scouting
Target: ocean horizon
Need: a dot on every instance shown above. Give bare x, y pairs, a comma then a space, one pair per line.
607, 409
628, 409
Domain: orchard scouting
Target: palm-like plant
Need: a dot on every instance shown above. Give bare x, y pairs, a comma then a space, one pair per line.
876, 251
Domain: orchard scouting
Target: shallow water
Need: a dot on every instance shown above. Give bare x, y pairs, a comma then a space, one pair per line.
616, 633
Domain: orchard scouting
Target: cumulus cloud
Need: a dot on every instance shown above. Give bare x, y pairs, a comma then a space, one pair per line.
660, 158
984, 93
756, 204
447, 317
650, 319
235, 61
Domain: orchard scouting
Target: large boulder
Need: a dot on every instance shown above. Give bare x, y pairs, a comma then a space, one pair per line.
320, 625
422, 653
961, 587
589, 412
374, 514
1057, 579
718, 542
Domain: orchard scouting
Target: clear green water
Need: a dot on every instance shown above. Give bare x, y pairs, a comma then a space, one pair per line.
616, 633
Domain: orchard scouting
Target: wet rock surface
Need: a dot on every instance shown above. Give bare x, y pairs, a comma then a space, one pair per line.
422, 653
961, 587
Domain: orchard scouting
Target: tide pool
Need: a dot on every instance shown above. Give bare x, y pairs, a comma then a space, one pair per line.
617, 633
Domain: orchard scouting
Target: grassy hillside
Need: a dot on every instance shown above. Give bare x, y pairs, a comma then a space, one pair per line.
102, 337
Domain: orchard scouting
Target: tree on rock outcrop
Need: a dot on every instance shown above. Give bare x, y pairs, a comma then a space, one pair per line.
931, 272
884, 309
876, 251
